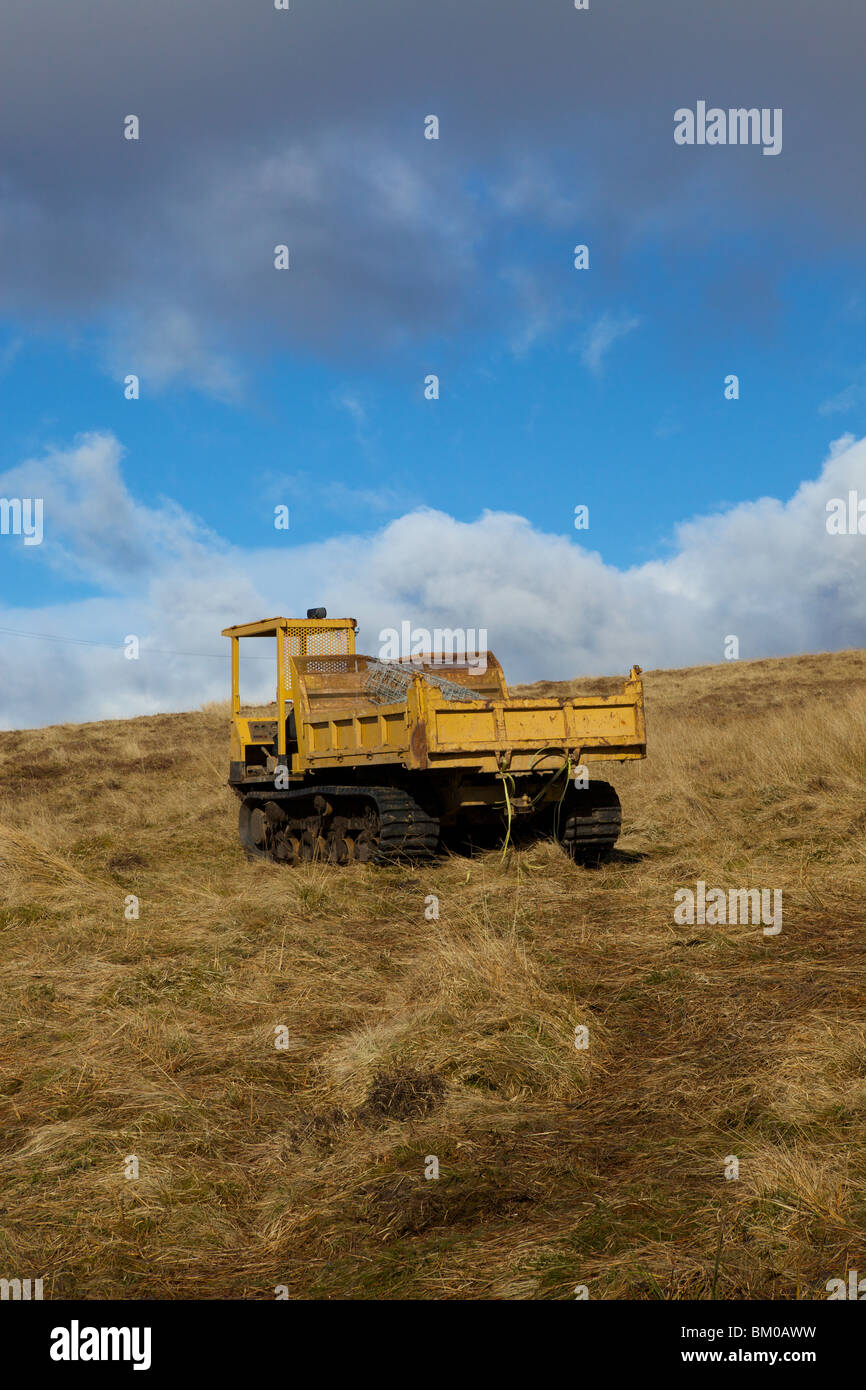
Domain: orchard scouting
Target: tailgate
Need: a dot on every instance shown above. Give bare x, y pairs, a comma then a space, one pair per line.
609, 726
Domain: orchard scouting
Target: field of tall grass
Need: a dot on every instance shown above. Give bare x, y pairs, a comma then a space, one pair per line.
413, 1042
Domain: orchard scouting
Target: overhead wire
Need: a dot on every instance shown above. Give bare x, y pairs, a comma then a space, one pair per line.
118, 647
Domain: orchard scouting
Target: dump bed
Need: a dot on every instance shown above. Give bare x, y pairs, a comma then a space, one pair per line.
451, 714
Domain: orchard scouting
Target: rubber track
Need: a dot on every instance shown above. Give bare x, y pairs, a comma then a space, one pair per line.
406, 830
595, 827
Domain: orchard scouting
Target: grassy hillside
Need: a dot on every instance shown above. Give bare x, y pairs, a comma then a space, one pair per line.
410, 1038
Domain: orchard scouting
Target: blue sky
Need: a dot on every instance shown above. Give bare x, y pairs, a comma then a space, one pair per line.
646, 439
306, 387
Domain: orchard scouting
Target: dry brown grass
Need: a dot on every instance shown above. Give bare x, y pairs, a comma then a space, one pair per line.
454, 1038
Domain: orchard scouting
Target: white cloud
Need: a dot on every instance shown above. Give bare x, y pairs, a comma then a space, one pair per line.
606, 331
164, 343
851, 398
766, 571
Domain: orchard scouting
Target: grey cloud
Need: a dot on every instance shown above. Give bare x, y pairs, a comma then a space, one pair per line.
305, 126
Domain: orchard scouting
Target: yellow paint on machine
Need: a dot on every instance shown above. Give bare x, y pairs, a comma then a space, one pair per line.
320, 681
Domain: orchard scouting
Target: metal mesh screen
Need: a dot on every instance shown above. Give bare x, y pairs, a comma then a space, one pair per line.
386, 683
300, 641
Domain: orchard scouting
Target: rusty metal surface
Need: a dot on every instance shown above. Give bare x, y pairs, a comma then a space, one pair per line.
418, 745
422, 727
262, 730
418, 716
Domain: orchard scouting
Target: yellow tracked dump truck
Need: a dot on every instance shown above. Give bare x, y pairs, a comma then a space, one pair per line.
371, 760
